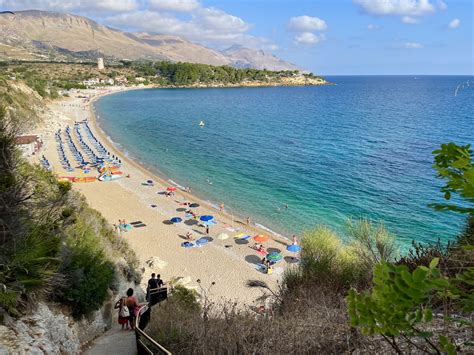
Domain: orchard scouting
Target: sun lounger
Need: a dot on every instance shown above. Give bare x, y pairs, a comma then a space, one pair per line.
139, 225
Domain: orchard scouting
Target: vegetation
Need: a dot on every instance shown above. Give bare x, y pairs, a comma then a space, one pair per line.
47, 79
190, 73
52, 245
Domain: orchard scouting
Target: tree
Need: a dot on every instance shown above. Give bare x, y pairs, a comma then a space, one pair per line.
454, 163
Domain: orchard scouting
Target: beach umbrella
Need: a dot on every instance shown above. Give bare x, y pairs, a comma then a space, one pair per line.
260, 238
293, 248
175, 220
202, 241
171, 188
222, 236
206, 218
274, 256
194, 205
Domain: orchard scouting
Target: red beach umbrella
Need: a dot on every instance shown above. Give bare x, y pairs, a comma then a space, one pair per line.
260, 238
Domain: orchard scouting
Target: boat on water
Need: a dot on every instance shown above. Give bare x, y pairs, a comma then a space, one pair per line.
201, 124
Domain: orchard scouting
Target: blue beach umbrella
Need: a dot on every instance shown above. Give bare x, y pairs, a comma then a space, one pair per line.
206, 218
175, 220
293, 248
274, 256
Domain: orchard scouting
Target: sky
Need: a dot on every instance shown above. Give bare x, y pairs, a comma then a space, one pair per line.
327, 37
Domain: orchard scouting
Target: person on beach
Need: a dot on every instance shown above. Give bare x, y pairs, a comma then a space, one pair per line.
124, 314
133, 307
221, 207
189, 236
115, 227
294, 240
120, 225
207, 229
248, 221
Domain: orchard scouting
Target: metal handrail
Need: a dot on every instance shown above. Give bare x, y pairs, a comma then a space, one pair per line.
140, 333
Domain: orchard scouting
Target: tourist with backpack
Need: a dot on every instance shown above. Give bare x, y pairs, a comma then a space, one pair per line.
123, 313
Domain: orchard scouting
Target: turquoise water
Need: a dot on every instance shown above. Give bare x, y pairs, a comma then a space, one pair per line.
359, 148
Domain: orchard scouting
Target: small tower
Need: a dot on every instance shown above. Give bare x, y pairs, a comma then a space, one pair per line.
100, 64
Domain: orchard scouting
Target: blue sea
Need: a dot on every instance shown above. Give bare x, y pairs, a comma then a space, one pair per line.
294, 157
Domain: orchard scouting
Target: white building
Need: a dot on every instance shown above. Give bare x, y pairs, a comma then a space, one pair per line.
100, 64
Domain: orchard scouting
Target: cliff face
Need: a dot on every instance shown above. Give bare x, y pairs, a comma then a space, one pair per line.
43, 35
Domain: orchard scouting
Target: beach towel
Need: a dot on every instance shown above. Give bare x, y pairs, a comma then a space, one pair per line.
136, 222
240, 235
187, 245
128, 227
246, 237
139, 225
261, 252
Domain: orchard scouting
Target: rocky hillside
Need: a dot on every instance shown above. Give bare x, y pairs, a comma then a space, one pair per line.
242, 57
43, 35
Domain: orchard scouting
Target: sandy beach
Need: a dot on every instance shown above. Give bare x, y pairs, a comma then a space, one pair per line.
228, 263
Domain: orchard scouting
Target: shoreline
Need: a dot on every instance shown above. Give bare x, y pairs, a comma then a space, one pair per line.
158, 176
227, 264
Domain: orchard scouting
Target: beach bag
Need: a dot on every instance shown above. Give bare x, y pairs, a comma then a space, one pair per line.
124, 312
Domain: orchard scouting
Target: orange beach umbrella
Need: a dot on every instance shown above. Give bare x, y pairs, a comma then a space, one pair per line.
260, 238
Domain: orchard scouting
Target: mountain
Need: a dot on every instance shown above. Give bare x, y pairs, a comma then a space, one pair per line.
242, 57
44, 35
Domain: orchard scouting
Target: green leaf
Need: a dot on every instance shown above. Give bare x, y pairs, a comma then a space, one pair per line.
434, 263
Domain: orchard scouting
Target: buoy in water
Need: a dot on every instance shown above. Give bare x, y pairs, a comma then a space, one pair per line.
201, 124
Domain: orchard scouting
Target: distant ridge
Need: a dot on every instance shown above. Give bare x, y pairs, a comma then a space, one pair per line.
45, 35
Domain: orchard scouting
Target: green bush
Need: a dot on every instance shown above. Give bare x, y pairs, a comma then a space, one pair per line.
370, 242
399, 303
87, 271
326, 259
28, 267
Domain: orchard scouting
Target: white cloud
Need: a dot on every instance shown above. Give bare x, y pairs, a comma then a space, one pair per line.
454, 23
209, 26
173, 5
217, 20
442, 5
410, 20
307, 38
396, 7
413, 45
306, 24
86, 6
372, 27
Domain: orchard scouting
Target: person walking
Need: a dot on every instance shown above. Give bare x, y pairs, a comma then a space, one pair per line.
152, 285
123, 313
133, 307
